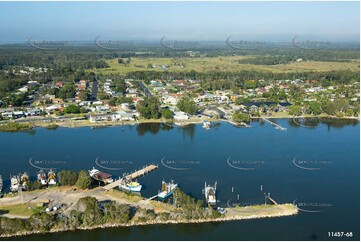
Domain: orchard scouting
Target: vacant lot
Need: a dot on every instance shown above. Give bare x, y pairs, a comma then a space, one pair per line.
227, 63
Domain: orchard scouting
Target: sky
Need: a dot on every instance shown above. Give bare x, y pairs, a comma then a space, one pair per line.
202, 21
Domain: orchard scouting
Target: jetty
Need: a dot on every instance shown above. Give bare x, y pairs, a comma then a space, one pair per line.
274, 124
138, 173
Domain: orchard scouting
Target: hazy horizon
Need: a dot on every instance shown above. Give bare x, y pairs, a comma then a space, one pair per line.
198, 21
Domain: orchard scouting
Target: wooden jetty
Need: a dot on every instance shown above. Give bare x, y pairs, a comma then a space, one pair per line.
141, 172
274, 124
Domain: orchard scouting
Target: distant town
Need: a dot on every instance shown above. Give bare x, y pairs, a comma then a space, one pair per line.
184, 100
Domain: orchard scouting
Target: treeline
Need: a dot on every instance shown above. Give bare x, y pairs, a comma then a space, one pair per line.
339, 76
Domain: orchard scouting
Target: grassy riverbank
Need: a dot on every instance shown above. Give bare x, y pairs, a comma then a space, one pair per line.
96, 208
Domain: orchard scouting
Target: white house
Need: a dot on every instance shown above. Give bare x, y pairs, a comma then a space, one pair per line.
179, 116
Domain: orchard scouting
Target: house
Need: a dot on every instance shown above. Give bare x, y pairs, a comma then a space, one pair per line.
33, 112
179, 116
100, 117
58, 101
7, 115
18, 114
102, 108
59, 84
123, 116
84, 83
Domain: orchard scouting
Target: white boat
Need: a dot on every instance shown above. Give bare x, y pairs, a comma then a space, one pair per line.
41, 177
167, 189
100, 176
1, 183
51, 178
14, 183
130, 186
206, 124
210, 193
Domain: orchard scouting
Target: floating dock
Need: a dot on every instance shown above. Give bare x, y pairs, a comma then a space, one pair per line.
141, 172
274, 124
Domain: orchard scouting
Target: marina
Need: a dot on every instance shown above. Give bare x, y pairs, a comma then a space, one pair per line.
194, 143
133, 175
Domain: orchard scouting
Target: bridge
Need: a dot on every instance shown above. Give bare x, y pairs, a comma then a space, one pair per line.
141, 172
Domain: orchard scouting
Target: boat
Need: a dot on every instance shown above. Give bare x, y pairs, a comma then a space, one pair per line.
51, 178
210, 193
1, 183
100, 176
24, 179
206, 124
14, 183
167, 189
132, 186
41, 177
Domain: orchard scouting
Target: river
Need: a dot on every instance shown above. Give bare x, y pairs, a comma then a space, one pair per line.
313, 164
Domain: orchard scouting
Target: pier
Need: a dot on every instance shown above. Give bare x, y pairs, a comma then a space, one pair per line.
141, 172
274, 124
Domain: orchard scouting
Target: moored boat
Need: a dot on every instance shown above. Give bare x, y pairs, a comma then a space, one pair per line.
1, 183
132, 186
100, 176
24, 180
14, 183
210, 193
51, 178
167, 189
41, 177
206, 124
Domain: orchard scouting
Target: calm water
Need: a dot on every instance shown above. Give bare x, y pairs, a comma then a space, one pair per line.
326, 187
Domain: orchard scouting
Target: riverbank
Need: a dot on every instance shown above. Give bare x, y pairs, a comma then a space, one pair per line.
71, 123
71, 197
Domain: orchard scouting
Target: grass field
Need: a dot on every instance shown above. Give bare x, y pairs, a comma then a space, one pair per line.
221, 64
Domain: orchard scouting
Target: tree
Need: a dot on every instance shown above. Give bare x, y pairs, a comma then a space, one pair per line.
314, 108
186, 104
84, 95
67, 177
72, 109
240, 117
84, 180
149, 108
167, 114
295, 110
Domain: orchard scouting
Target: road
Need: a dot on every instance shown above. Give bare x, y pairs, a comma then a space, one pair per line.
95, 87
145, 89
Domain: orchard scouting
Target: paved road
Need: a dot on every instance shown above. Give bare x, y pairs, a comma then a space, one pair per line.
145, 89
95, 90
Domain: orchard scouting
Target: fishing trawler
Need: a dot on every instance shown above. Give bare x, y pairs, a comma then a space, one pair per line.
132, 186
41, 177
210, 193
24, 179
1, 183
206, 124
100, 176
167, 189
14, 183
51, 178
